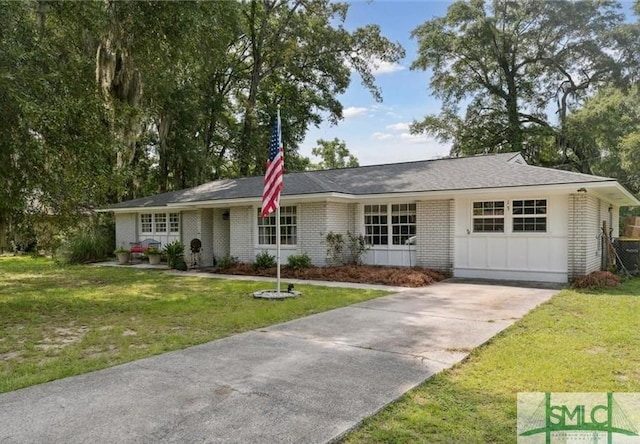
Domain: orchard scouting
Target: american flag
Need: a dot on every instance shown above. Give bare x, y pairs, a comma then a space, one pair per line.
275, 170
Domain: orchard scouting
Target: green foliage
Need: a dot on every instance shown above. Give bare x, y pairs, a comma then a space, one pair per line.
226, 262
78, 130
334, 154
181, 266
87, 245
517, 67
335, 248
577, 342
174, 252
97, 304
299, 261
152, 250
609, 126
357, 247
264, 260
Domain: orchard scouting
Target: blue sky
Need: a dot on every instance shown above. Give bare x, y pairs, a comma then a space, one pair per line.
378, 132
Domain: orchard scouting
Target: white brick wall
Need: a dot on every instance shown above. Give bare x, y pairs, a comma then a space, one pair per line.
434, 234
126, 229
577, 240
206, 236
221, 235
312, 231
585, 222
339, 221
242, 221
352, 213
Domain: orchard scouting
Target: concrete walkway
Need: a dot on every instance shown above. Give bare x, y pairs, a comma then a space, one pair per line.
305, 381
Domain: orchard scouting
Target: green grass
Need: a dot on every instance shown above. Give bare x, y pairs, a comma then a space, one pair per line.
576, 342
62, 321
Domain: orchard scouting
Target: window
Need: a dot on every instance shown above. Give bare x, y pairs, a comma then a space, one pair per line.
157, 223
529, 215
145, 223
403, 222
376, 227
488, 217
160, 222
380, 229
174, 222
288, 227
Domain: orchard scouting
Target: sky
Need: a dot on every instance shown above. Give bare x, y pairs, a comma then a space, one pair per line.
378, 133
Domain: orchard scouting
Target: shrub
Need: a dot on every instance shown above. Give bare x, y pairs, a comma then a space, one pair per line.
226, 262
84, 246
264, 260
357, 247
335, 247
180, 266
174, 252
299, 261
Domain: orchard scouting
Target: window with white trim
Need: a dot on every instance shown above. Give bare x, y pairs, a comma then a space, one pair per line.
288, 227
380, 229
174, 222
376, 225
403, 222
529, 215
160, 222
156, 223
488, 216
146, 223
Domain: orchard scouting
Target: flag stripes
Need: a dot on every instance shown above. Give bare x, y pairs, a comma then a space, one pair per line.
273, 178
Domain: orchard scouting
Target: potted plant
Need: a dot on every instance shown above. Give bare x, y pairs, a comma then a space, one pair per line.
154, 255
123, 254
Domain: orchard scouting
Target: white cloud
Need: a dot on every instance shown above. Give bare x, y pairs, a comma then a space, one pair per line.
415, 138
353, 111
379, 67
400, 126
381, 136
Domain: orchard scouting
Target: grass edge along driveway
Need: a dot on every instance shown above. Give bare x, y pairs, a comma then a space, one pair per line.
63, 321
579, 341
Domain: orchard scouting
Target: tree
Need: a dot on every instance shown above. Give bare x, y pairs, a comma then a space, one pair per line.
105, 101
334, 154
519, 68
609, 125
299, 55
53, 140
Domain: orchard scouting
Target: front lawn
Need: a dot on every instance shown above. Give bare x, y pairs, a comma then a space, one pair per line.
62, 321
577, 342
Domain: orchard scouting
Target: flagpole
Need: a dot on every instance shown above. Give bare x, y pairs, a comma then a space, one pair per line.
278, 234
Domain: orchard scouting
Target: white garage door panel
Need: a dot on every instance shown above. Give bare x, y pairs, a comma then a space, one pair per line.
497, 252
509, 255
477, 252
518, 254
538, 253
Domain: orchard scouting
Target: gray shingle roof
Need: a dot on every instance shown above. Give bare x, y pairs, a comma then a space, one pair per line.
464, 173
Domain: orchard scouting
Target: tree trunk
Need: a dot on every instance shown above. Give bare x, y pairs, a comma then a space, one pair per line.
164, 124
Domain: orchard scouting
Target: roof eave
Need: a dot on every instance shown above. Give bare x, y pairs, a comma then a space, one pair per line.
219, 203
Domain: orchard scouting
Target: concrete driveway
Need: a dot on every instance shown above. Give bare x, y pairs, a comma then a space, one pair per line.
304, 381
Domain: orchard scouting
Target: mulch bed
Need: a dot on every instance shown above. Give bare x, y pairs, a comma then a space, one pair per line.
364, 274
597, 279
